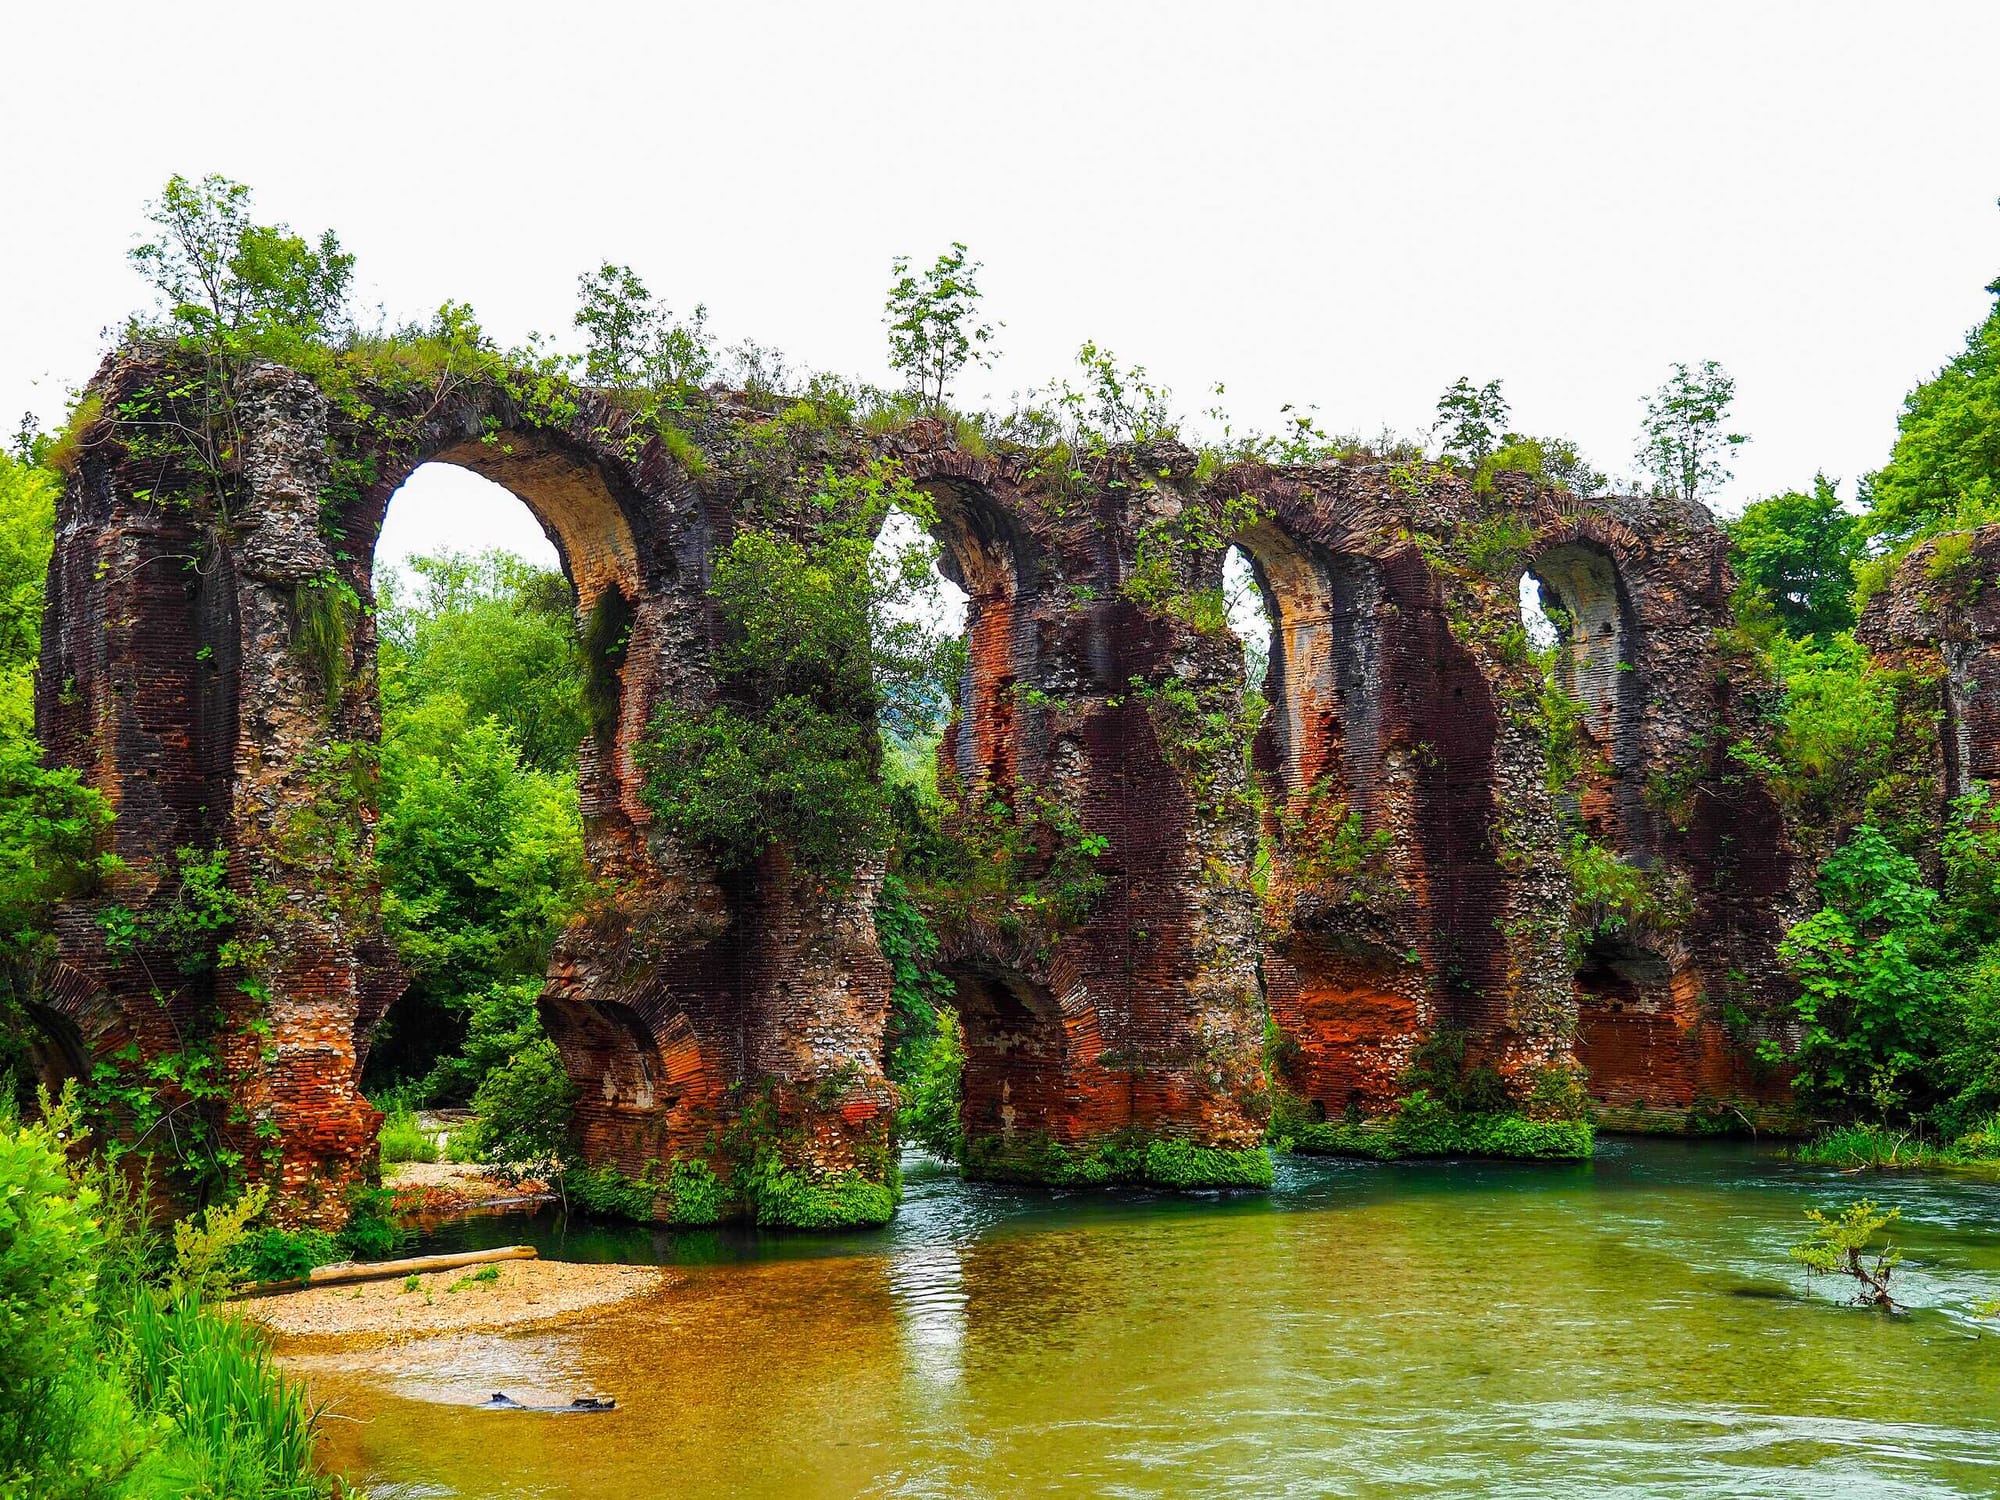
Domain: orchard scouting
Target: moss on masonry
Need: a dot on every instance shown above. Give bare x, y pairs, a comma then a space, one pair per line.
1423, 1126
1129, 1156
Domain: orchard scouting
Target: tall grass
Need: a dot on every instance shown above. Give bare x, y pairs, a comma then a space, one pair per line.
402, 1138
240, 1425
1883, 1147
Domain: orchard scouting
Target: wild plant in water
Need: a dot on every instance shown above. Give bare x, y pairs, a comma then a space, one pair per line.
1843, 1245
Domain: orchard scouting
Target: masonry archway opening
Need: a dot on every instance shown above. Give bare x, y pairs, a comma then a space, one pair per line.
988, 570
1250, 616
1574, 608
1323, 666
495, 682
1012, 1091
926, 627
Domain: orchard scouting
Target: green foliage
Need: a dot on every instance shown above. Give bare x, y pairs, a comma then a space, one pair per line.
402, 1139
933, 323
1834, 750
1844, 1245
690, 1194
51, 824
109, 1388
817, 637
780, 1195
48, 1243
1328, 844
1853, 1147
524, 1109
208, 1247
241, 1426
1872, 1001
1425, 1126
221, 277
1612, 895
1944, 473
1029, 863
1800, 551
484, 860
324, 613
283, 1254
1472, 419
1682, 443
633, 341
931, 1072
488, 636
738, 783
606, 634
1554, 460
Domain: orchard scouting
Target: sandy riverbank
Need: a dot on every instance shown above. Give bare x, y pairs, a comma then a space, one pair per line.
521, 1293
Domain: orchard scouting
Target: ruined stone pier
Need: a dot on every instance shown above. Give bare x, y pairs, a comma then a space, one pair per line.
1381, 860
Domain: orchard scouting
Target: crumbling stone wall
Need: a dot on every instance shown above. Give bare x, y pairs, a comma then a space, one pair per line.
204, 666
1937, 620
1670, 1007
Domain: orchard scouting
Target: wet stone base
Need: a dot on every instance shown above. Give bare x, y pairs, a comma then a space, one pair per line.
1706, 1118
1428, 1130
1127, 1157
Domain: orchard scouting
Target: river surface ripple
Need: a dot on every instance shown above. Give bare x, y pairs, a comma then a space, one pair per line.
1626, 1327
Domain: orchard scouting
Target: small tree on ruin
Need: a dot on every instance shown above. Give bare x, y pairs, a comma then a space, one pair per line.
933, 323
1682, 443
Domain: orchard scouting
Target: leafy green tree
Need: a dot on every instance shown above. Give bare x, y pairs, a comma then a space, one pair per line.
481, 841
222, 276
1944, 473
818, 638
1800, 550
933, 323
484, 865
1874, 1001
1473, 419
524, 1110
1682, 442
481, 636
1557, 460
634, 342
1843, 1244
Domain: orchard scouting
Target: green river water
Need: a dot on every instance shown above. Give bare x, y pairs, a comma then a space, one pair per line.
1627, 1327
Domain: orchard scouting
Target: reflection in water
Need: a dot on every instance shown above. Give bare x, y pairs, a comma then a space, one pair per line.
928, 1284
1629, 1327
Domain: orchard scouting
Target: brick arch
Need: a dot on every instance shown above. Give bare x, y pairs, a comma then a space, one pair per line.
1647, 580
990, 553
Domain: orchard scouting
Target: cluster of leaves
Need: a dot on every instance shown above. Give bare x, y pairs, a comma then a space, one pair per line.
1327, 844
925, 1049
1899, 1003
818, 636
1944, 472
1130, 1155
481, 840
1471, 429
1844, 1244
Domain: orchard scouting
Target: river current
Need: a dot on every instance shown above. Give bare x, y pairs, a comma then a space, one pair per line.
1625, 1327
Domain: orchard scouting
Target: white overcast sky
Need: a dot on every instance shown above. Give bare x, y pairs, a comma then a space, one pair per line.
1339, 204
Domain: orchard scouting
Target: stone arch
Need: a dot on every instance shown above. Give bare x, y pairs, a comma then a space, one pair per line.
1380, 720
1599, 644
1323, 684
1016, 1056
596, 522
987, 553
